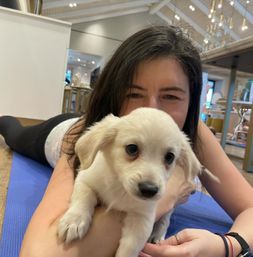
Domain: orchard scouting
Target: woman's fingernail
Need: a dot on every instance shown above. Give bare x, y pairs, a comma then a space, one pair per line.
142, 254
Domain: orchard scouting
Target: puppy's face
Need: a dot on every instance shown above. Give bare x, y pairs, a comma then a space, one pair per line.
143, 153
141, 149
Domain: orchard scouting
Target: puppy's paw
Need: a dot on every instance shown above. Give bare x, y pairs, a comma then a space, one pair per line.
73, 225
154, 239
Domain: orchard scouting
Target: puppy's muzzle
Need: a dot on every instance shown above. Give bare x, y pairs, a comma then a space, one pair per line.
147, 189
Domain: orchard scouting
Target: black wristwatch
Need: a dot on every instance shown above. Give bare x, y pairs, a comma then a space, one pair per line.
246, 252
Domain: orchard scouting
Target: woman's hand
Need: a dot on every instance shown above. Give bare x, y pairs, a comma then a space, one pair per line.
187, 243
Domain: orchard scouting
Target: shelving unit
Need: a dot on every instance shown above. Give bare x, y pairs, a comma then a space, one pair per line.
242, 108
236, 56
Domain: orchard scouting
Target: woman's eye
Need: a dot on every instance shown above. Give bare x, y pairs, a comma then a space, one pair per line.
134, 95
132, 150
171, 97
169, 158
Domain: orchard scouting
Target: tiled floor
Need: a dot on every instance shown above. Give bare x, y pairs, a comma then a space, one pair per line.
5, 164
236, 154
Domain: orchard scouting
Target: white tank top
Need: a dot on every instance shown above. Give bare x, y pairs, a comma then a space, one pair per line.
54, 139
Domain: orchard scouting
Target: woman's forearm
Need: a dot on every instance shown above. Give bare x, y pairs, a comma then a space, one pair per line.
41, 239
101, 240
243, 225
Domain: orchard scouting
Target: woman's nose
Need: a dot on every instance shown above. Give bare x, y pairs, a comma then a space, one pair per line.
152, 102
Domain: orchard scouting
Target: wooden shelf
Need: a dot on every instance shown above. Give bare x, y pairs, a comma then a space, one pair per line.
234, 102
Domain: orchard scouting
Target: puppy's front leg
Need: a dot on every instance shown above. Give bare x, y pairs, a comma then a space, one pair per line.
135, 233
160, 229
76, 221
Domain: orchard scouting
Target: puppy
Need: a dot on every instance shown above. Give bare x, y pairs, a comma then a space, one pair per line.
125, 164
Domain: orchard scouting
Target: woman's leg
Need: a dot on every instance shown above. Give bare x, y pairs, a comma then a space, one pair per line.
30, 140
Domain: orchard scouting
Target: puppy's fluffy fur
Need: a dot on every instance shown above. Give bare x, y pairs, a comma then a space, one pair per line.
125, 165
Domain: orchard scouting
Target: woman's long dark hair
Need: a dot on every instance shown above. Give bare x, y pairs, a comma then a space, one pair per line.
147, 44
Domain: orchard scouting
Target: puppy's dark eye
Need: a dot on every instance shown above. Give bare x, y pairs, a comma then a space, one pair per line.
169, 158
132, 150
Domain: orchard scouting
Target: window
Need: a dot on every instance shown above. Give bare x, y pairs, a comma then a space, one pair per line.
209, 93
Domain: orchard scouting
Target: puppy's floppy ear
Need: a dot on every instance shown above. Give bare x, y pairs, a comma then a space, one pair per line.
98, 136
188, 161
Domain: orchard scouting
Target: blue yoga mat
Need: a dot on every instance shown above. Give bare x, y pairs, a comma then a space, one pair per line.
28, 182
200, 211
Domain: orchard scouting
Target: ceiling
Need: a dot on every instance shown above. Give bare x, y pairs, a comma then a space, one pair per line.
206, 34
237, 55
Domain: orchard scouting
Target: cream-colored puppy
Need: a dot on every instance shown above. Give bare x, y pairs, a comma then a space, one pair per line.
125, 165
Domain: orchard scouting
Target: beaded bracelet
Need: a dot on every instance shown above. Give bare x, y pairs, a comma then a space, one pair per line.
225, 243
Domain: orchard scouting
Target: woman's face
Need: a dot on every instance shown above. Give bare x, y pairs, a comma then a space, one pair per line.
160, 84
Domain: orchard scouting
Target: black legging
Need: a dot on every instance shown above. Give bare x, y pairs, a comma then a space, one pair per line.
30, 140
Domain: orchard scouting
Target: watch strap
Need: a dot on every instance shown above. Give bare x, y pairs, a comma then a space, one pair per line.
246, 252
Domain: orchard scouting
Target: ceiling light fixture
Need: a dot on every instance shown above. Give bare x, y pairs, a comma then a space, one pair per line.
231, 23
192, 8
244, 25
220, 4
221, 20
177, 17
71, 5
232, 3
212, 6
206, 41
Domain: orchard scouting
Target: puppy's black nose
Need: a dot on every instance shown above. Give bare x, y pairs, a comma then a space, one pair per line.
148, 189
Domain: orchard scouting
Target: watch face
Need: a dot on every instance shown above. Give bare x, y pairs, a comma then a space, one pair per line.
246, 253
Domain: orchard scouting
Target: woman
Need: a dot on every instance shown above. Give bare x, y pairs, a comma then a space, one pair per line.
157, 67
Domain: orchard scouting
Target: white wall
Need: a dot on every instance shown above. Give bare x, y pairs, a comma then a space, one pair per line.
33, 52
92, 44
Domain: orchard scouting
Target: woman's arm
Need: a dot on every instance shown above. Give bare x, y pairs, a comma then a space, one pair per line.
103, 237
41, 236
233, 192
